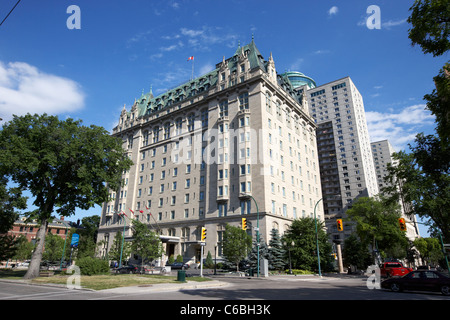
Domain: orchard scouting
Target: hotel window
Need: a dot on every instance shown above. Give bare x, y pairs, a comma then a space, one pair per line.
222, 208
178, 126
155, 134
167, 130
191, 120
223, 109
243, 101
204, 118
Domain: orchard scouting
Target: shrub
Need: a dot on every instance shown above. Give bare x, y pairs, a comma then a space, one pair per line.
298, 271
92, 266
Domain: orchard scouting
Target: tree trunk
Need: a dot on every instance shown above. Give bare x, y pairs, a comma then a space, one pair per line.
33, 269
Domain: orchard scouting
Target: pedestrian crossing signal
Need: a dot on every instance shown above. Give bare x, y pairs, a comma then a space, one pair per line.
203, 234
244, 223
339, 224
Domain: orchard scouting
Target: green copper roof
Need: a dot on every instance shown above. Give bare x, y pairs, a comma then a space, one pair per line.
147, 103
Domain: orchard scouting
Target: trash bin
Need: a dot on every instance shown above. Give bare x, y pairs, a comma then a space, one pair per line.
250, 272
181, 276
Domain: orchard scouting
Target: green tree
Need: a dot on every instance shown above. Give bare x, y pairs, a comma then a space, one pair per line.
116, 247
88, 236
302, 232
63, 164
356, 253
24, 248
209, 263
10, 200
146, 243
276, 251
236, 244
430, 20
53, 248
430, 250
429, 167
253, 254
427, 192
377, 224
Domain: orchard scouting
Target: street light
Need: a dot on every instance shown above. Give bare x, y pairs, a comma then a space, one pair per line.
317, 235
257, 229
122, 215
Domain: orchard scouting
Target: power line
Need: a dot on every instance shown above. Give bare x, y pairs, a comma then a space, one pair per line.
10, 12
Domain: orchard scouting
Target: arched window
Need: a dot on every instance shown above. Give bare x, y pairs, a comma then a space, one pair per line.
178, 126
191, 120
167, 130
155, 134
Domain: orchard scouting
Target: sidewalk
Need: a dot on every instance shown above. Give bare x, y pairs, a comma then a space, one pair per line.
166, 287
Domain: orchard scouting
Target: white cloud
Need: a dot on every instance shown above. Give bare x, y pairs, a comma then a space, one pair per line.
390, 23
399, 128
25, 89
297, 64
333, 11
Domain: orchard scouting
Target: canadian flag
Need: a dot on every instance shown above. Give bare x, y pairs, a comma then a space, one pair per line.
190, 58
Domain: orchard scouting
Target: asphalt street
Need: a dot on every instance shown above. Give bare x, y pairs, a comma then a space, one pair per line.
222, 288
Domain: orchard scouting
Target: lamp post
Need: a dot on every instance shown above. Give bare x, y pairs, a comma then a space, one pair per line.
317, 237
123, 215
215, 259
257, 229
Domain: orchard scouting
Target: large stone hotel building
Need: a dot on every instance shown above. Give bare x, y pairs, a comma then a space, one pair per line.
236, 142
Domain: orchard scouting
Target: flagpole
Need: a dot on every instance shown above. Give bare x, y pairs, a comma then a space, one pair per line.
189, 59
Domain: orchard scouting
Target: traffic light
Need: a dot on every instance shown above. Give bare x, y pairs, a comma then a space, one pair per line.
339, 224
244, 223
203, 234
402, 224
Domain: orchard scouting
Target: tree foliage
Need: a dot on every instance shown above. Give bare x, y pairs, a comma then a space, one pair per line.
430, 20
377, 225
277, 252
116, 248
236, 244
430, 250
429, 165
302, 234
63, 164
10, 200
146, 243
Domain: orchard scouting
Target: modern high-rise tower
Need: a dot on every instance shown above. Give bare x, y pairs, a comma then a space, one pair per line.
345, 158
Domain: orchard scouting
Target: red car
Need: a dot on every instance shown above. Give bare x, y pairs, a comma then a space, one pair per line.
419, 281
394, 269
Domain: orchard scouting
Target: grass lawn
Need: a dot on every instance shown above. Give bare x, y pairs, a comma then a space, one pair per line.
99, 282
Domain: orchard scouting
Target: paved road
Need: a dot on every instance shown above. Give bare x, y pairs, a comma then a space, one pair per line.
232, 288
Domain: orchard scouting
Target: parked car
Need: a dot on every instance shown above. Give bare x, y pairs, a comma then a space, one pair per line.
393, 269
127, 269
419, 281
178, 265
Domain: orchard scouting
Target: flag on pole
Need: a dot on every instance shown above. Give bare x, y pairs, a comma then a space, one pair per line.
190, 58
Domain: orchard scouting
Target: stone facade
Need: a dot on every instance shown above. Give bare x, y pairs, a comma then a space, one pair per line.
232, 143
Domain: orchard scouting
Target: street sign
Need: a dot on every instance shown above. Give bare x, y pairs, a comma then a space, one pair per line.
75, 239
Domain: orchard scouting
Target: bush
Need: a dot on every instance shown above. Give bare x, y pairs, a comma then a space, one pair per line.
298, 271
92, 266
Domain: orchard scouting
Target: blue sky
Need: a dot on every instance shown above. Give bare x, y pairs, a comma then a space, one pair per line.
124, 47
